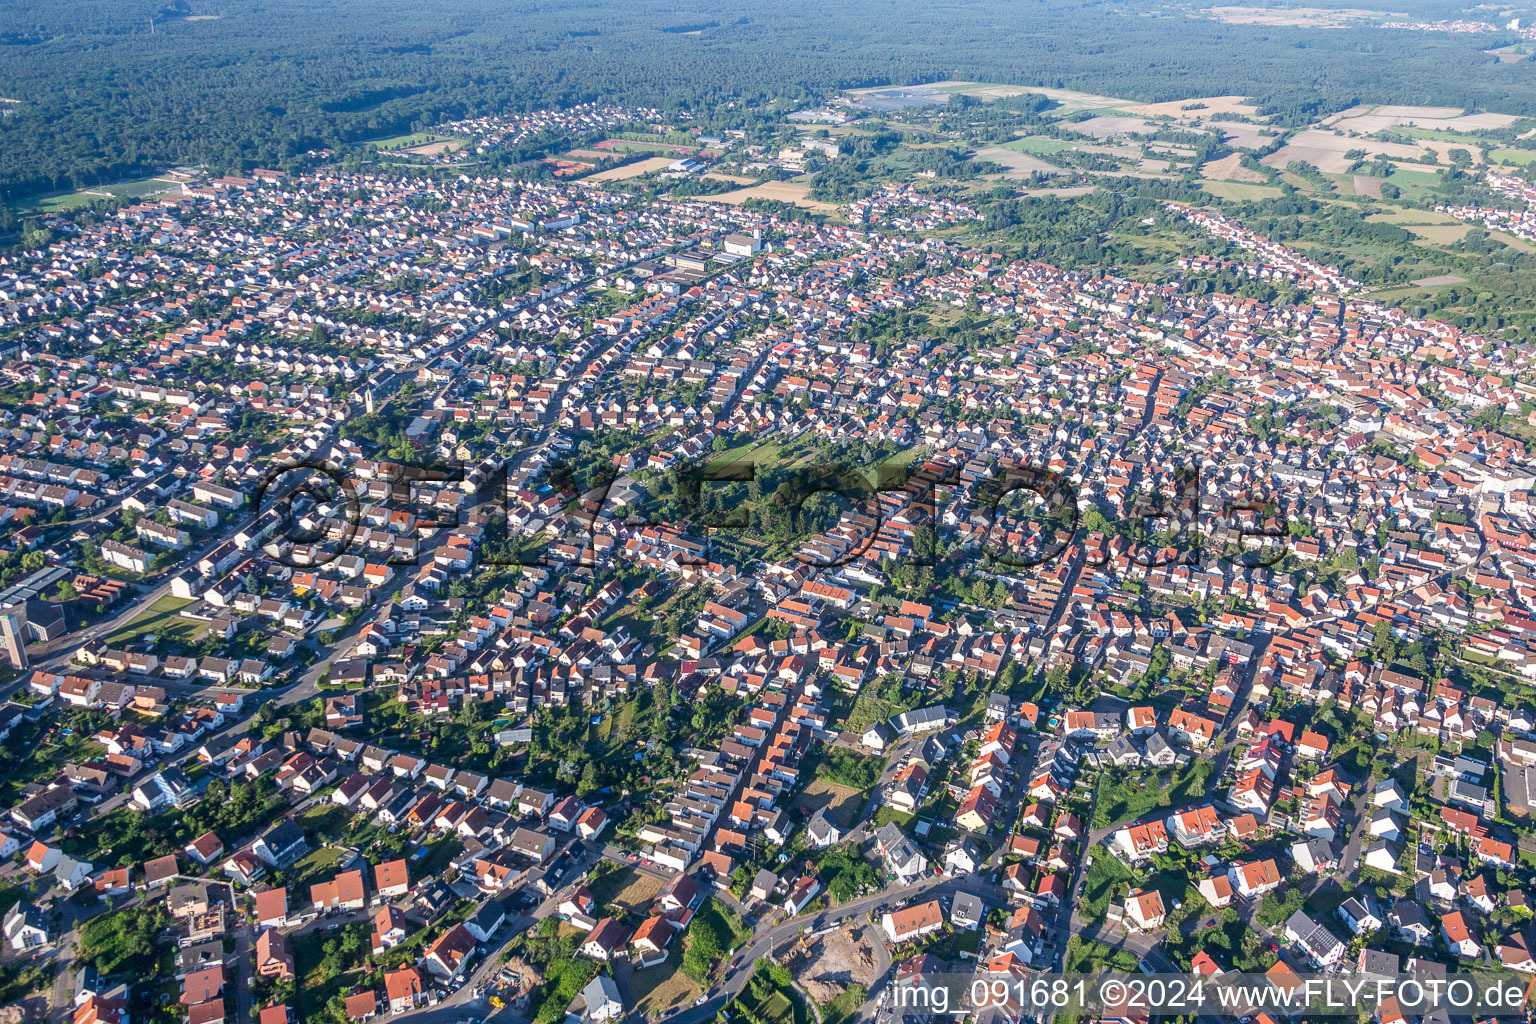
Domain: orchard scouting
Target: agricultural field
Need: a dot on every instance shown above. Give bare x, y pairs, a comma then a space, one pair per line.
1513, 156
1239, 191
1039, 145
1435, 228
1293, 17
1230, 168
1019, 164
634, 170
1200, 106
792, 192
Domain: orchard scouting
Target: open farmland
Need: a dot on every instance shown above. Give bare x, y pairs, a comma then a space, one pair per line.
634, 170
1293, 17
1203, 106
1106, 126
1020, 165
1327, 151
1230, 168
780, 191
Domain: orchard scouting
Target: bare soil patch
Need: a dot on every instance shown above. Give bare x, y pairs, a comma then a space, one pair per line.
837, 960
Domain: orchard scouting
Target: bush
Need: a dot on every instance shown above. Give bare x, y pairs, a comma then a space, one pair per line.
701, 950
846, 768
125, 941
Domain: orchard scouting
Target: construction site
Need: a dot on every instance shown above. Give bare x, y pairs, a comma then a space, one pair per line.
825, 963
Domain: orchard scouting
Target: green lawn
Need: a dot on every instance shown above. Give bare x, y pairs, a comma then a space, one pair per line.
1104, 874
1126, 797
315, 866
137, 189
416, 139
728, 924
1513, 156
1424, 179
328, 963
1038, 145
41, 750
61, 201
161, 620
325, 820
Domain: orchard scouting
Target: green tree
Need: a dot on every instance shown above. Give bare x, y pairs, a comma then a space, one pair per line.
589, 783
701, 950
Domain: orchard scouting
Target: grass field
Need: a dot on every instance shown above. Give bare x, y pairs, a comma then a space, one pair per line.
1038, 145
1513, 156
1437, 135
316, 865
137, 189
759, 453
1127, 798
318, 981
726, 922
415, 139
1438, 234
1423, 179
655, 990
842, 802
62, 201
160, 620
869, 708
760, 1005
625, 888
1104, 874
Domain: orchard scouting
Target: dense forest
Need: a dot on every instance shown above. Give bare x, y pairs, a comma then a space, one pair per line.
111, 89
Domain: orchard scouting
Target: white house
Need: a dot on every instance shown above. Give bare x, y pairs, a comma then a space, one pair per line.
24, 927
602, 999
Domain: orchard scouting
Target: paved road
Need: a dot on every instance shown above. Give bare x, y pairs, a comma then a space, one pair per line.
769, 937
